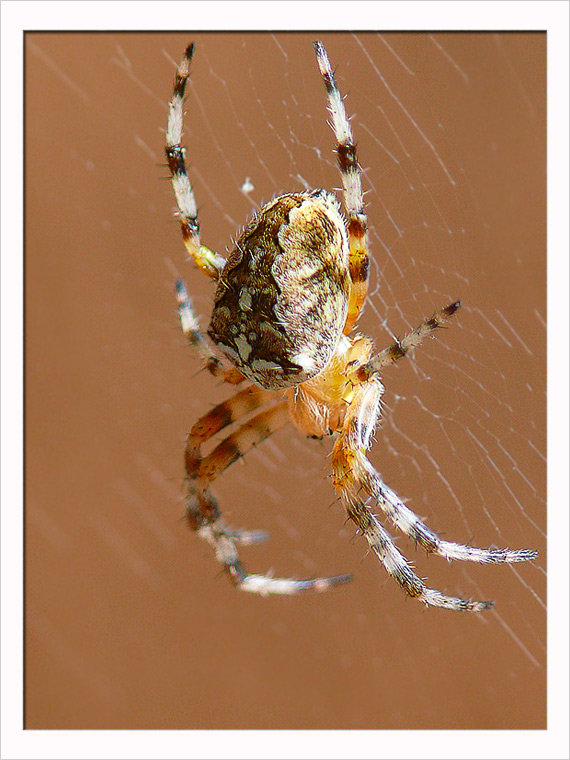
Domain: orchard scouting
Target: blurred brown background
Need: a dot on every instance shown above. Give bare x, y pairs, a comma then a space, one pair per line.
129, 623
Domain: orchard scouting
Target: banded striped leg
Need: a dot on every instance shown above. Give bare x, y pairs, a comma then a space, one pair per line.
209, 262
203, 511
352, 190
353, 473
400, 347
194, 336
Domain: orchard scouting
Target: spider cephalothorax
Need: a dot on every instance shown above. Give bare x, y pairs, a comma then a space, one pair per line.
285, 306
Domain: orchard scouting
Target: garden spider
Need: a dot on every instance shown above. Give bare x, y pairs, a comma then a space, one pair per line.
286, 302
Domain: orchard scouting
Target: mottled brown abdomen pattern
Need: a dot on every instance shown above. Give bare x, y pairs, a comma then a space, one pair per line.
281, 300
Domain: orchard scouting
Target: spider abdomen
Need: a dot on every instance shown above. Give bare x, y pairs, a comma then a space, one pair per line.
282, 296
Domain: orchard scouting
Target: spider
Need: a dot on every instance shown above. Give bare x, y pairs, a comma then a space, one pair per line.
286, 303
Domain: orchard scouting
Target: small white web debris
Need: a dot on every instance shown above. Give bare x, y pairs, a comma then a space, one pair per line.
247, 186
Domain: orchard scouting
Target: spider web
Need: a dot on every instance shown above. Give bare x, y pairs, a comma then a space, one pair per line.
451, 136
463, 435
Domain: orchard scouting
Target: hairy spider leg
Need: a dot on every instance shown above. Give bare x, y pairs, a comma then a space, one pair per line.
347, 160
191, 329
221, 416
208, 262
218, 418
402, 517
350, 467
401, 346
203, 512
353, 473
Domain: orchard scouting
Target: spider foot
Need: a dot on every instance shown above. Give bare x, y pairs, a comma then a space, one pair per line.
264, 585
247, 537
469, 553
223, 539
432, 598
517, 555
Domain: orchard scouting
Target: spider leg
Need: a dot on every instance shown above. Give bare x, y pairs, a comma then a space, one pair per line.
203, 513
352, 189
218, 418
400, 347
353, 472
209, 262
194, 336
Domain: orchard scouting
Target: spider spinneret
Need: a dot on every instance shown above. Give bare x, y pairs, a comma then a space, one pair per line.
286, 302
